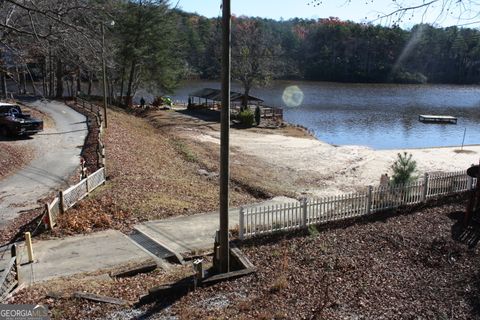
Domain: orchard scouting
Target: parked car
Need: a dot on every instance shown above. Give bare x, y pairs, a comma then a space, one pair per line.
13, 122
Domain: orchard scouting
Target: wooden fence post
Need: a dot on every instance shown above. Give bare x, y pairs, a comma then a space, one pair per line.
241, 227
425, 187
49, 216
86, 184
28, 244
13, 252
369, 199
469, 183
61, 202
304, 211
104, 163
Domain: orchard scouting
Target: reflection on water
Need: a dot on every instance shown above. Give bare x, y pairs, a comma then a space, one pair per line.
376, 115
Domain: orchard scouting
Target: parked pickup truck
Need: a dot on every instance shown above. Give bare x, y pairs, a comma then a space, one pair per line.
13, 122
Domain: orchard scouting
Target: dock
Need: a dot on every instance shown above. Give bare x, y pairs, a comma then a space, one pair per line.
437, 119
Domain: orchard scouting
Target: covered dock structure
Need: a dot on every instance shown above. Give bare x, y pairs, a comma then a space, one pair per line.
213, 97
209, 98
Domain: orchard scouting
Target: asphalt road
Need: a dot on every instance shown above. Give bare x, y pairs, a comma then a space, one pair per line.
57, 156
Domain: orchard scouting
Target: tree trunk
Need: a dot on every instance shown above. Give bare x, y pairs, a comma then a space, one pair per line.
72, 87
112, 92
130, 84
109, 86
121, 84
79, 81
246, 93
59, 72
4, 84
34, 90
89, 89
24, 82
51, 75
44, 83
19, 81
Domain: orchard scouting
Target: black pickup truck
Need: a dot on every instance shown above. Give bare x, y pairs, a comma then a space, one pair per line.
13, 122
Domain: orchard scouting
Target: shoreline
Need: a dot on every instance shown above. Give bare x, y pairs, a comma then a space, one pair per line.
314, 167
292, 162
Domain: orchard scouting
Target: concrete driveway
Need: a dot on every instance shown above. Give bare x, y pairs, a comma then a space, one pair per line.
57, 156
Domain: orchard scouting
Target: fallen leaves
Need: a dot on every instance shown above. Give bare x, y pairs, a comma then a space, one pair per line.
149, 177
13, 156
407, 266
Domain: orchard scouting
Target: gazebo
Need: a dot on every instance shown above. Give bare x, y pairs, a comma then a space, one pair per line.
213, 97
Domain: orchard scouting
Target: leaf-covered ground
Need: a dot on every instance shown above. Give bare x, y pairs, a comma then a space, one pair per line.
404, 267
58, 294
17, 152
397, 266
151, 175
13, 157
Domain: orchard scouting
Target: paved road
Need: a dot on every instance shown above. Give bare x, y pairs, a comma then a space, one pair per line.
57, 156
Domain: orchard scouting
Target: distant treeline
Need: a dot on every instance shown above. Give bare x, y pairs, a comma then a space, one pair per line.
150, 45
335, 50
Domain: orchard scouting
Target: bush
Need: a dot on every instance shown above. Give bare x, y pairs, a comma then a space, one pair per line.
403, 169
246, 117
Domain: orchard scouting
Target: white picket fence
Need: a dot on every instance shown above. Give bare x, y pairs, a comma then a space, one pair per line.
68, 198
300, 214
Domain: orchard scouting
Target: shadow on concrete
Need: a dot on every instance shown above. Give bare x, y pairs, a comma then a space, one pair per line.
15, 138
59, 133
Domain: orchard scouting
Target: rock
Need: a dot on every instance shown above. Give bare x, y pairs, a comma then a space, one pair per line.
205, 173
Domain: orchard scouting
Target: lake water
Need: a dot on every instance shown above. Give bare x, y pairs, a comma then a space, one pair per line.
381, 116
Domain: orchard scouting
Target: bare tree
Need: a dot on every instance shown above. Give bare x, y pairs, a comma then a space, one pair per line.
61, 36
253, 55
465, 12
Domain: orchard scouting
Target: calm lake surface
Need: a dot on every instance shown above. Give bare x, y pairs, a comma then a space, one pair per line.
381, 116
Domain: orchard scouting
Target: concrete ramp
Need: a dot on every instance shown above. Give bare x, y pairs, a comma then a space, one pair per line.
187, 234
79, 254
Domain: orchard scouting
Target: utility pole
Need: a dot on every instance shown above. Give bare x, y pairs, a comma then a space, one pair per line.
104, 71
225, 139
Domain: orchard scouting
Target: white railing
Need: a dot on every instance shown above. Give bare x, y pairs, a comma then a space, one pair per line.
68, 198
300, 214
9, 276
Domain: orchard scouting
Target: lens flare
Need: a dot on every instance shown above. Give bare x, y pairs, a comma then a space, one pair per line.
292, 96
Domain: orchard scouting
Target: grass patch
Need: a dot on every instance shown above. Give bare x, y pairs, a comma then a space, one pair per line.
184, 150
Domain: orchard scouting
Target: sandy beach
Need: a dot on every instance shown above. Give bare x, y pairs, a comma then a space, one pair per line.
330, 170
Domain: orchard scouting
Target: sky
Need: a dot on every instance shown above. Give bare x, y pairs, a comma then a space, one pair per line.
355, 10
